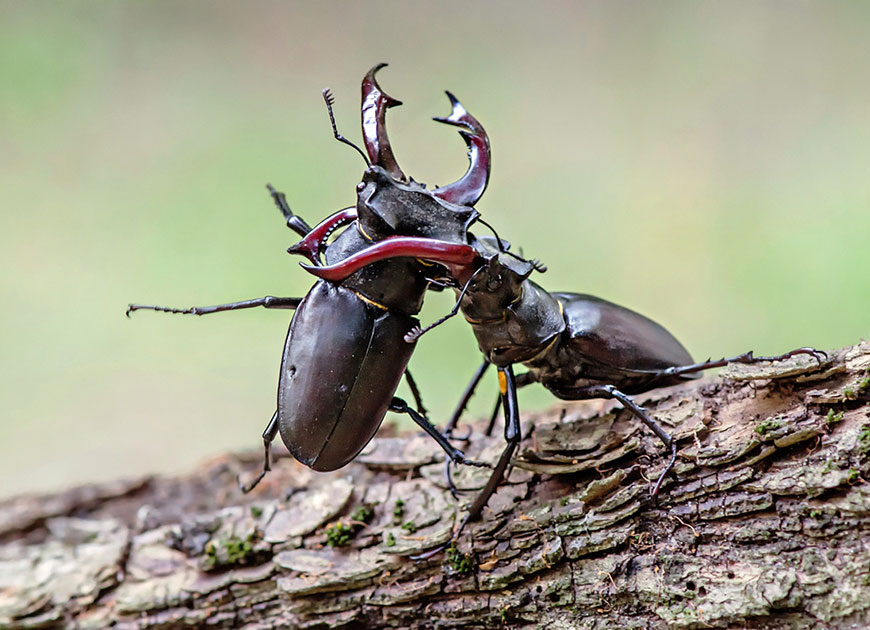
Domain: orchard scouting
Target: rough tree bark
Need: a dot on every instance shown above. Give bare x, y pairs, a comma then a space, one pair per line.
766, 525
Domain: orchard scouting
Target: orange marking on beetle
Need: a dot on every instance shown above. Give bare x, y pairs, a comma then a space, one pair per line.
502, 382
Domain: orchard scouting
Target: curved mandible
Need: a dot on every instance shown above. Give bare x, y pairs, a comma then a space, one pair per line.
443, 252
467, 190
375, 104
312, 243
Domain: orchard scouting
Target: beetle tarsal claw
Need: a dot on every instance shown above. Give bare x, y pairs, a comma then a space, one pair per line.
461, 459
247, 487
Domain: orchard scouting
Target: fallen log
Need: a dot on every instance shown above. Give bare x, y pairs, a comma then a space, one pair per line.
765, 524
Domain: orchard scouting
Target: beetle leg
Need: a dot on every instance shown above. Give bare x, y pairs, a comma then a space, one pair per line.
415, 391
746, 357
268, 436
512, 435
266, 302
400, 406
454, 420
294, 222
609, 391
466, 396
448, 479
493, 417
521, 381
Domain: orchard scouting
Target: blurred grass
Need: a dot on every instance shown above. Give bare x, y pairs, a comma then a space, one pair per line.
703, 163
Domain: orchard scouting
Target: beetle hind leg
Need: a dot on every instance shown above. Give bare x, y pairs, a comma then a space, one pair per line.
268, 437
609, 391
745, 358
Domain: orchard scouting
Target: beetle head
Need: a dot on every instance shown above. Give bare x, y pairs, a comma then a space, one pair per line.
387, 207
504, 273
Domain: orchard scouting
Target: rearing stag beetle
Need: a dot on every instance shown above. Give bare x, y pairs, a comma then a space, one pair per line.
345, 351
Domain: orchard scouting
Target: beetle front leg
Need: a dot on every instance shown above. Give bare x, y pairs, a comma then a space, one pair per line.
454, 420
507, 385
268, 437
269, 301
521, 380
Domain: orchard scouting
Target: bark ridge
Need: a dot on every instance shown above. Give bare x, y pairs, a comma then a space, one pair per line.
767, 525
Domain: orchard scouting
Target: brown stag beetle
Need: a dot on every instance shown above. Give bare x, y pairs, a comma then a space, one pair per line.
345, 353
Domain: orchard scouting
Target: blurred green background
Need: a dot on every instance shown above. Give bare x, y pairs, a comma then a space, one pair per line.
704, 163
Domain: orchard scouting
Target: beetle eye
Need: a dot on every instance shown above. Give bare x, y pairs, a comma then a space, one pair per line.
494, 282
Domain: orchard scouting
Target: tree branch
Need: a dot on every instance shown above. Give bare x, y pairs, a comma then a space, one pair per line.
766, 525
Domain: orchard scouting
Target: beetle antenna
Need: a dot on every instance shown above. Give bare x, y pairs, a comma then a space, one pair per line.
329, 100
537, 265
494, 233
416, 332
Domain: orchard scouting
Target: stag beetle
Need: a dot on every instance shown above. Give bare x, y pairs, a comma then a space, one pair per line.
345, 353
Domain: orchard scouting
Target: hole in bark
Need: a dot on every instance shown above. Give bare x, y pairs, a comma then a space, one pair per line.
702, 591
538, 589
690, 585
731, 575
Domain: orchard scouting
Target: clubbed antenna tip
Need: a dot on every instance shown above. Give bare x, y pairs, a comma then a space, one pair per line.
330, 100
